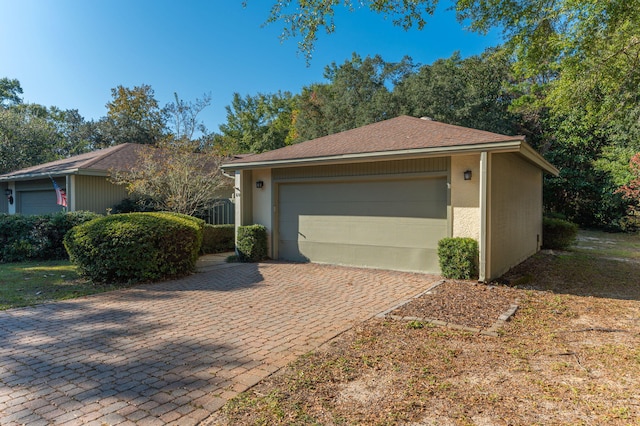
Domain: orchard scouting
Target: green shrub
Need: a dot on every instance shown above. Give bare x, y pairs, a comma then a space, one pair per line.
218, 238
458, 258
129, 205
135, 247
37, 237
252, 243
558, 234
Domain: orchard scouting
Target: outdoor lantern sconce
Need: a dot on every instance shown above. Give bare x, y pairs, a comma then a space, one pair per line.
467, 175
9, 194
259, 184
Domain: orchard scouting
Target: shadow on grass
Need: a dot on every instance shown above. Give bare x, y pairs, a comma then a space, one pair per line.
608, 270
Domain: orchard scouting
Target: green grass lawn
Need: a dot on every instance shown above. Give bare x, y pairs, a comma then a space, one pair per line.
30, 283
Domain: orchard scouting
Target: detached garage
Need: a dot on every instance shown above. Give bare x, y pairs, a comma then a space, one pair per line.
383, 195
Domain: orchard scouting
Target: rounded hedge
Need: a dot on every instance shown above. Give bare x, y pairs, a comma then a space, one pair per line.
135, 247
558, 234
38, 237
458, 258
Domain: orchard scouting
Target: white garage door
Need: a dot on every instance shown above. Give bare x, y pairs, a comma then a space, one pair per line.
394, 224
38, 202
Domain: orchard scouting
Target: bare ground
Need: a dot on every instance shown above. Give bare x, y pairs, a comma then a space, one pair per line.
570, 354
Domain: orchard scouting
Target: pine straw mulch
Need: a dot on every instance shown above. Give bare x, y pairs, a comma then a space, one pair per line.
462, 303
569, 356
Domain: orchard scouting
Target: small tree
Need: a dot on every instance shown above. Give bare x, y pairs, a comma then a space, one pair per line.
172, 177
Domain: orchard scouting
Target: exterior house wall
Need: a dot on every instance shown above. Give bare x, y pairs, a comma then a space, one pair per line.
94, 193
244, 195
465, 196
515, 212
262, 205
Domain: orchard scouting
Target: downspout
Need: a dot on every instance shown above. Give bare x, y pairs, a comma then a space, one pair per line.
484, 192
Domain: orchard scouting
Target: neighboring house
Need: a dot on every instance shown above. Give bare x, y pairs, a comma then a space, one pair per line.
84, 178
383, 195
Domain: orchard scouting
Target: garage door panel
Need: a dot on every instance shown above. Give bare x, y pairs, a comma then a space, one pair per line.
395, 198
414, 232
434, 209
385, 224
37, 202
397, 258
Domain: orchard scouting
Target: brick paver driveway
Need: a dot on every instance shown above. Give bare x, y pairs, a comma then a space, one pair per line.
178, 350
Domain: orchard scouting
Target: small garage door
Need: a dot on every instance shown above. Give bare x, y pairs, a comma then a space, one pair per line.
393, 224
38, 202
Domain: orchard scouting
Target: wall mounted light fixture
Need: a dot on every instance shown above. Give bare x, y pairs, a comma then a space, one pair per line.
259, 184
467, 175
9, 194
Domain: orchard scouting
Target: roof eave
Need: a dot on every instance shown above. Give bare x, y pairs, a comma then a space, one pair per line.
533, 156
504, 146
58, 173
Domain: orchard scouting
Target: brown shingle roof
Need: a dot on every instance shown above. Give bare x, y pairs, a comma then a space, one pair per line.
396, 134
119, 157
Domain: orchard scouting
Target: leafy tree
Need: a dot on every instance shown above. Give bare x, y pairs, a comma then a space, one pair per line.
181, 173
77, 135
173, 177
473, 92
583, 193
10, 91
304, 19
258, 123
27, 137
631, 190
133, 116
358, 93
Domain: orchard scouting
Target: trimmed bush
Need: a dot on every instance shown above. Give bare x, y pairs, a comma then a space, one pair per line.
218, 238
37, 237
135, 247
458, 258
252, 243
558, 234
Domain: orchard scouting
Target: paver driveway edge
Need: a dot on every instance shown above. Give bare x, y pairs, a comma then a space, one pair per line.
174, 352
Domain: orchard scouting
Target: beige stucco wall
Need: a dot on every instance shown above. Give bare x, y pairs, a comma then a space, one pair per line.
515, 212
465, 201
262, 206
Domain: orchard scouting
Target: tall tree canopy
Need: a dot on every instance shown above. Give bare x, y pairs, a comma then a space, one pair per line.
258, 123
358, 92
473, 92
133, 115
27, 137
10, 91
31, 134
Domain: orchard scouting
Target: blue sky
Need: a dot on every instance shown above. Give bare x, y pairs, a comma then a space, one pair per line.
70, 53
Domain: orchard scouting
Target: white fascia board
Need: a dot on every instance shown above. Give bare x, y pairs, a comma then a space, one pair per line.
533, 156
508, 146
59, 173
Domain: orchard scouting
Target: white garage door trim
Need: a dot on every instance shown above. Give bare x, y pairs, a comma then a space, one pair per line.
388, 224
